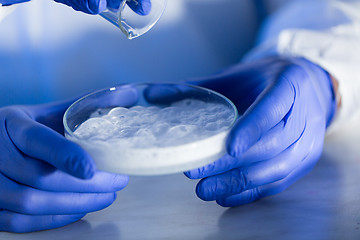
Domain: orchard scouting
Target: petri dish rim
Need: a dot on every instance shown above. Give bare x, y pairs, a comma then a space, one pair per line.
159, 160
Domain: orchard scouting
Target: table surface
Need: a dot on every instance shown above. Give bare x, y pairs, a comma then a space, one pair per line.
325, 204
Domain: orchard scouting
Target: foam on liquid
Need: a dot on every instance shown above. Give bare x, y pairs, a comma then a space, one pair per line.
152, 140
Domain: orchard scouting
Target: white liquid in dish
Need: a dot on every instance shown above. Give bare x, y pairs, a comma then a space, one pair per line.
152, 140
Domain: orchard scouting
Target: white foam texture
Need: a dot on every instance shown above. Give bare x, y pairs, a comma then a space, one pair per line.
153, 140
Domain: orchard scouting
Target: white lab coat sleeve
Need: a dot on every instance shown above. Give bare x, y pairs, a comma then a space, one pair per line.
326, 32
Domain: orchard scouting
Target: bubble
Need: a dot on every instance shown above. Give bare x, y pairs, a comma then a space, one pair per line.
153, 109
138, 109
160, 129
95, 128
168, 112
180, 131
144, 132
118, 111
212, 126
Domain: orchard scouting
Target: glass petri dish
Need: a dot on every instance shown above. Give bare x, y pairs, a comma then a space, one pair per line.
151, 128
132, 24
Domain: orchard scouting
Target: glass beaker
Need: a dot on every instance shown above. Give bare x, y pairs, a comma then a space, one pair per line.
133, 24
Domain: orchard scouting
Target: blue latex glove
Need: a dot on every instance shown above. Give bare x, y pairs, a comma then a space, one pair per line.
286, 106
46, 181
141, 7
10, 2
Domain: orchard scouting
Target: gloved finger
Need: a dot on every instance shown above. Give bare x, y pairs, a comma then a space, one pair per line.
86, 6
40, 142
22, 199
257, 193
267, 111
19, 223
276, 140
221, 165
141, 7
10, 2
43, 176
275, 169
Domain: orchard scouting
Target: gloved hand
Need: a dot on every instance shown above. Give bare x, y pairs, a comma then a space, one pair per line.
286, 105
141, 7
46, 181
